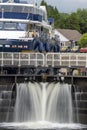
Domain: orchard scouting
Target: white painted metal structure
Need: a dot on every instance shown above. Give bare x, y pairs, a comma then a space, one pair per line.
21, 59
66, 59
44, 60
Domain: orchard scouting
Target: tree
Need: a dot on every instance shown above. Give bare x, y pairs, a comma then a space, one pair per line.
63, 20
73, 22
83, 40
82, 15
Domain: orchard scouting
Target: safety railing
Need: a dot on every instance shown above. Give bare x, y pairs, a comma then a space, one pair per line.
66, 59
41, 59
21, 59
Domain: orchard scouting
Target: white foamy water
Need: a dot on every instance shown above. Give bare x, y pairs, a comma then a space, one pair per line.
42, 125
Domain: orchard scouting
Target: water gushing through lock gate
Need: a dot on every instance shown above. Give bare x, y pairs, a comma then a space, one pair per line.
43, 102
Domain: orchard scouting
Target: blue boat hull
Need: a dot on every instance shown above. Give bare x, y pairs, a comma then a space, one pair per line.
15, 45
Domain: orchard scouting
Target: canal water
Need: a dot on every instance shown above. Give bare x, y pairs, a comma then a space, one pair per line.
43, 106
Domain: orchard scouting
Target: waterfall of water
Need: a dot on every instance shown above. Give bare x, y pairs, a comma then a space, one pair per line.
43, 102
27, 107
59, 108
44, 98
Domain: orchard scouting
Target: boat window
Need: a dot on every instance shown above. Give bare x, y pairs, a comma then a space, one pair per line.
21, 26
1, 25
13, 26
1, 45
10, 26
3, 1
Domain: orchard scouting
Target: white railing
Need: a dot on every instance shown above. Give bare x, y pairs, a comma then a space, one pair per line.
41, 59
21, 59
66, 59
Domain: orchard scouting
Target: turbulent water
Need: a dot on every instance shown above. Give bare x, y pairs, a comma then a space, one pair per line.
43, 102
41, 126
43, 106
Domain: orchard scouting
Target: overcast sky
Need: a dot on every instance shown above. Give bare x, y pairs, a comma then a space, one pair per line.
66, 6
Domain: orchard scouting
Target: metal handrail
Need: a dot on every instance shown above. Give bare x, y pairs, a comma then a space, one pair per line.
44, 60
66, 59
20, 59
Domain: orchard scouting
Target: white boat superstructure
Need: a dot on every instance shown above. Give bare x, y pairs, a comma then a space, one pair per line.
19, 22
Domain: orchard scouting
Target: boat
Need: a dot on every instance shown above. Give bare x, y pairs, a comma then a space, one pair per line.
24, 27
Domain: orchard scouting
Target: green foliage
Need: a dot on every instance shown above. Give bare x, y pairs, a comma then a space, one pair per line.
76, 20
83, 40
82, 14
73, 22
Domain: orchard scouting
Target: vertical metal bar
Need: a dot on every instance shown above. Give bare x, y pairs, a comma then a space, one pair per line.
69, 60
12, 59
86, 63
53, 59
19, 59
60, 59
2, 59
28, 58
36, 59
77, 60
44, 59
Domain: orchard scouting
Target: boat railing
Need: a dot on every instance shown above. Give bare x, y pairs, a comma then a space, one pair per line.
21, 59
44, 60
66, 59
